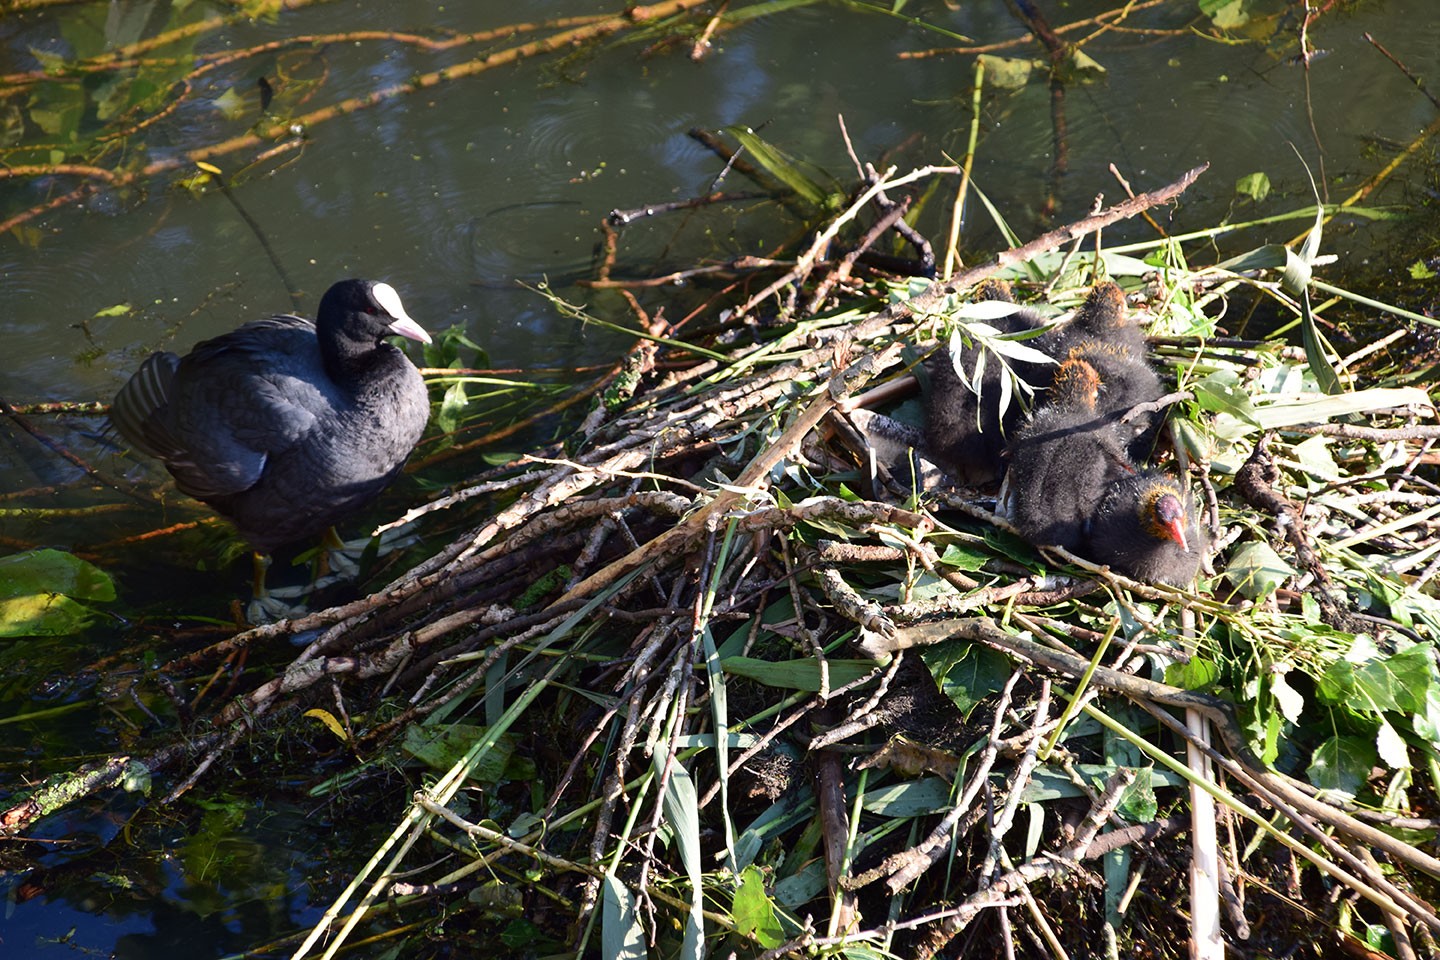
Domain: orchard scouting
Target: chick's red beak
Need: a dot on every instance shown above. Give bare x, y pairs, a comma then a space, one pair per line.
1169, 516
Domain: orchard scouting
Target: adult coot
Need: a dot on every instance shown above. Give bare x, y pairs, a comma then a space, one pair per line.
283, 425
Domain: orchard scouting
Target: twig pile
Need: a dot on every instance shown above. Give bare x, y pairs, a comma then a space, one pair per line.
653, 625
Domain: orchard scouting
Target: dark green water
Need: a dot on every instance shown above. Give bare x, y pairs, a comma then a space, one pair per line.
455, 193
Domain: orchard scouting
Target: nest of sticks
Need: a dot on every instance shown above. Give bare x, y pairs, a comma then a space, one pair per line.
696, 674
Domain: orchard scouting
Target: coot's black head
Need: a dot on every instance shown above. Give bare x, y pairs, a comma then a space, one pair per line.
355, 315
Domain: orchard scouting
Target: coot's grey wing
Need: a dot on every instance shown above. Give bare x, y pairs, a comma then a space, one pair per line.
240, 399
139, 409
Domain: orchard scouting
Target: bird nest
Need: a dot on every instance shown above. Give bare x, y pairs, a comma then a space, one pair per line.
699, 675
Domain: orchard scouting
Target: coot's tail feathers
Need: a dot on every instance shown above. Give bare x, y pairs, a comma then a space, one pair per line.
134, 409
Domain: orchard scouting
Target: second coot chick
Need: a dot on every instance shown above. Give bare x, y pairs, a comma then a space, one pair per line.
1127, 381
964, 430
1104, 334
1103, 317
1064, 460
283, 425
1145, 528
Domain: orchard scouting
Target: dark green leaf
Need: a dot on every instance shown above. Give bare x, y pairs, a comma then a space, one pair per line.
1343, 764
796, 674
39, 592
966, 673
441, 747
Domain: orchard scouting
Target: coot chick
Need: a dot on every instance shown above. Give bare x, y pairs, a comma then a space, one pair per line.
1064, 460
964, 431
283, 425
1126, 381
1103, 317
1145, 528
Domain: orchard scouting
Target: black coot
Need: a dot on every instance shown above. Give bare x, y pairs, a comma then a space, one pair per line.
1104, 317
1064, 460
1145, 528
283, 425
964, 431
1104, 335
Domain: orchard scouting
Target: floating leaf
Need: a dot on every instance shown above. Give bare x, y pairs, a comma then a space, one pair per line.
40, 590
230, 104
119, 310
1005, 73
1256, 186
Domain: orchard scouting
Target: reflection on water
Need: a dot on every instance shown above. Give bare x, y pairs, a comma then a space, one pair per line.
455, 193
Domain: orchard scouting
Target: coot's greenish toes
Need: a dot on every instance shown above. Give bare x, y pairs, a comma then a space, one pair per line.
283, 425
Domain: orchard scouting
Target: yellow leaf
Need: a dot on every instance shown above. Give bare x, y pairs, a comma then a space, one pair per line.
328, 718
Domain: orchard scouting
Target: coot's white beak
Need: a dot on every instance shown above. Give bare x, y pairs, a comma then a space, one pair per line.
403, 326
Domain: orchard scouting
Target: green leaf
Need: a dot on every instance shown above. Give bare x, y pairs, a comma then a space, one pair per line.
796, 674
1256, 186
1005, 73
682, 811
1256, 570
621, 935
753, 913
1287, 698
39, 591
1400, 683
779, 166
912, 798
119, 310
1198, 674
1226, 14
1391, 747
442, 746
1222, 392
1286, 411
1342, 764
57, 108
452, 406
966, 673
1419, 270
1138, 803
231, 104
